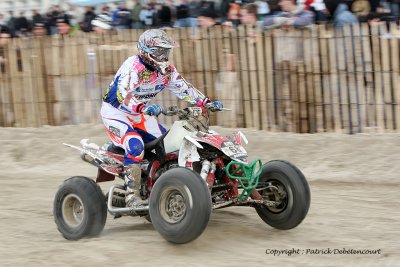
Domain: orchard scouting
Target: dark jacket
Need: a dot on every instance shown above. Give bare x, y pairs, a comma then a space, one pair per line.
182, 11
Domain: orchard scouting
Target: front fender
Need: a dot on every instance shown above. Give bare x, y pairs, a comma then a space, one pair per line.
188, 151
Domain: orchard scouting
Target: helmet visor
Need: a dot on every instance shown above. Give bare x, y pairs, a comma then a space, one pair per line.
160, 53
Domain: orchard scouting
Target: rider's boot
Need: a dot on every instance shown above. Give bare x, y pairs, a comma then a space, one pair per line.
132, 182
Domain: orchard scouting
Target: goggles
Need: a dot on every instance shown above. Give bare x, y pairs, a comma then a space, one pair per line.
160, 54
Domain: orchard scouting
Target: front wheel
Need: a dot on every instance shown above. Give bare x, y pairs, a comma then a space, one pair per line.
79, 208
286, 190
180, 205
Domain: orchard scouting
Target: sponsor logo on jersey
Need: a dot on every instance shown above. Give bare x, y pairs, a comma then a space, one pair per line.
146, 96
114, 131
185, 93
144, 76
120, 97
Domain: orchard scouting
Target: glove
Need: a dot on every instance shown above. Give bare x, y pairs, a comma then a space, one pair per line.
217, 105
206, 101
152, 110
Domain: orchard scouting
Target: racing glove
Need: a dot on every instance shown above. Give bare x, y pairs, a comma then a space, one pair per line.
215, 104
152, 110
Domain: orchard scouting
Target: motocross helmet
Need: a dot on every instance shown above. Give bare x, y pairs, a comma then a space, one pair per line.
154, 49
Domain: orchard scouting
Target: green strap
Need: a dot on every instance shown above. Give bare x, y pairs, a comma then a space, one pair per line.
246, 176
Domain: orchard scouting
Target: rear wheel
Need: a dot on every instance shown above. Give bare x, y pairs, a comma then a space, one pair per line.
287, 193
180, 205
79, 208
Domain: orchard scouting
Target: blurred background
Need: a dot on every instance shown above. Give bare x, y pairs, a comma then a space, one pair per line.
327, 67
282, 65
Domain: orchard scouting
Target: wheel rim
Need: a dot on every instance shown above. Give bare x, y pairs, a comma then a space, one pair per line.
277, 193
173, 205
72, 210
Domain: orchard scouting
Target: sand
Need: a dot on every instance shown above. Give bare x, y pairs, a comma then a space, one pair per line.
355, 204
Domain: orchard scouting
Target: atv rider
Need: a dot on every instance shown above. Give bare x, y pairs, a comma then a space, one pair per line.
137, 82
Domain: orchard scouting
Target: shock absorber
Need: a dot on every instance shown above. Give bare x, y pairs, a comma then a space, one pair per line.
205, 169
211, 176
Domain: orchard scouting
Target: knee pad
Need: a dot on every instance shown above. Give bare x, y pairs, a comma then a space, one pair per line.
134, 148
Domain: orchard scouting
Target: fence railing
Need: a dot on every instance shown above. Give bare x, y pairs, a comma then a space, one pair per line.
311, 80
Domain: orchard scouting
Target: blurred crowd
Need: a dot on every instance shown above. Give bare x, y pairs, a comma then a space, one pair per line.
192, 13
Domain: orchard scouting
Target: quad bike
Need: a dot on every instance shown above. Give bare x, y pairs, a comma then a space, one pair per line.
186, 173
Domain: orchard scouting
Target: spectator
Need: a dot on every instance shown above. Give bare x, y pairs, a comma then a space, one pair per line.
339, 12
74, 15
36, 17
122, 17
291, 15
224, 10
380, 16
102, 23
374, 4
86, 24
5, 35
183, 14
262, 9
319, 9
22, 25
234, 14
172, 7
39, 29
193, 12
147, 15
248, 14
53, 15
361, 8
164, 16
136, 21
207, 16
63, 26
11, 24
2, 20
274, 6
395, 8
105, 10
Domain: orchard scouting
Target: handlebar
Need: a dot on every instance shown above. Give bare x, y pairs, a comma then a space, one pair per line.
175, 110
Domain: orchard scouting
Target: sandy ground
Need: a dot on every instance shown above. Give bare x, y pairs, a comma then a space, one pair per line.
354, 183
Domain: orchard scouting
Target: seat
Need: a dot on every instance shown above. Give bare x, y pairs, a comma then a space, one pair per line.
151, 145
116, 149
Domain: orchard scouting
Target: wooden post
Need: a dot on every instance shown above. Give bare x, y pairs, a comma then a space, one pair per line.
334, 82
17, 90
358, 76
270, 75
311, 60
395, 83
253, 81
368, 78
325, 86
377, 68
302, 99
245, 77
262, 84
351, 88
6, 114
388, 100
235, 49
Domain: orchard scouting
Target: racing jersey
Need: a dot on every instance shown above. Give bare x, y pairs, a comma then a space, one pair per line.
134, 86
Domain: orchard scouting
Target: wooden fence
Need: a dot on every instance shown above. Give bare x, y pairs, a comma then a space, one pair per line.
311, 80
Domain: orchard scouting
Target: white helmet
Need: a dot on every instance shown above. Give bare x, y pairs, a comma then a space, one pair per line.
154, 49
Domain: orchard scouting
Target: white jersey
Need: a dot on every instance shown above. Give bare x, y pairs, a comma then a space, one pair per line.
134, 86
